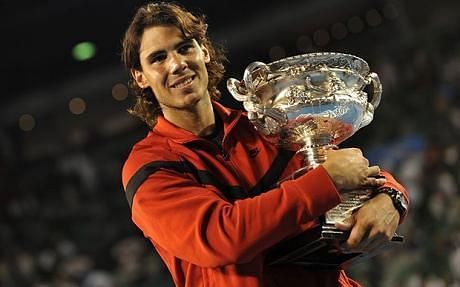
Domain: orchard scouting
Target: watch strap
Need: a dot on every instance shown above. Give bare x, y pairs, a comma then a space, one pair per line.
397, 197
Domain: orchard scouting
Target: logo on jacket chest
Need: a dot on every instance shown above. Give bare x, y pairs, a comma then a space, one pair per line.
253, 152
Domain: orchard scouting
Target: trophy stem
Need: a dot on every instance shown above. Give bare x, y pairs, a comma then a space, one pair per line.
315, 155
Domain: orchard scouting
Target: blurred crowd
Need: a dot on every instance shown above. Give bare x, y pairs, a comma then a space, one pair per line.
64, 221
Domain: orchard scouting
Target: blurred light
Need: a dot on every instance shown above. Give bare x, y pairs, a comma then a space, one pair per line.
83, 51
77, 106
26, 122
47, 259
119, 92
355, 24
277, 53
451, 155
339, 31
304, 43
390, 12
373, 18
321, 37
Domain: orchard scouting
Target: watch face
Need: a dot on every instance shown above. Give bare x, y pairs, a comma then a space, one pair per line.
399, 198
403, 201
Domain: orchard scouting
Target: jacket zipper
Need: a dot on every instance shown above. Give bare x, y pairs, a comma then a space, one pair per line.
226, 157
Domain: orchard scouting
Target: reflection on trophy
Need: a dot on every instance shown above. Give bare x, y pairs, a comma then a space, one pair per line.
313, 102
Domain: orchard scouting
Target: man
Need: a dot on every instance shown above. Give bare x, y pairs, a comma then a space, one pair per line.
202, 184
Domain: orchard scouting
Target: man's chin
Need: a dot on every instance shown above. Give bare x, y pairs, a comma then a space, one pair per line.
192, 99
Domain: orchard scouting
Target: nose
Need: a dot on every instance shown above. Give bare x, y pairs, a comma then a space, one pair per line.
177, 63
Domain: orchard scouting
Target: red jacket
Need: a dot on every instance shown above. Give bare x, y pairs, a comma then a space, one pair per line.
211, 214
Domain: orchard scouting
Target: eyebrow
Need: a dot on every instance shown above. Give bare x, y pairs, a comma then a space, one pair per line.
152, 55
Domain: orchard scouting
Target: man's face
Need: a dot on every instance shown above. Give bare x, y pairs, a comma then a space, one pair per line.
173, 67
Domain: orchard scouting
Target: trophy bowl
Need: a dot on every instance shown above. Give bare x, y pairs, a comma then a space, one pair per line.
313, 102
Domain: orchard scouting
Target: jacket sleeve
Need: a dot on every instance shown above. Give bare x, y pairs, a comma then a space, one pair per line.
196, 224
391, 182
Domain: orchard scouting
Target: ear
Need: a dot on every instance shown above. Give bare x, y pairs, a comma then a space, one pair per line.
205, 52
140, 79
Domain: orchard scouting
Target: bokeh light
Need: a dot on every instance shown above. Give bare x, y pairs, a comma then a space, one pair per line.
120, 92
321, 37
339, 31
83, 51
373, 18
77, 106
390, 11
355, 24
26, 122
304, 43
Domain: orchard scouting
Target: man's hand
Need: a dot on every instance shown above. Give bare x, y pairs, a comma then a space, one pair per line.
349, 169
372, 225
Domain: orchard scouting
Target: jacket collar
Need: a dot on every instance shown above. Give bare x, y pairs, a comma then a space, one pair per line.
167, 129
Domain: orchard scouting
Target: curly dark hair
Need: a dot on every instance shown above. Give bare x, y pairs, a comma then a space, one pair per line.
146, 107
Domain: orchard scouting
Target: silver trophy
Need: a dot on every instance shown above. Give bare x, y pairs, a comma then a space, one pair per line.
313, 102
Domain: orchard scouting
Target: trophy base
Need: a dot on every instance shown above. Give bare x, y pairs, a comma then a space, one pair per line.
319, 248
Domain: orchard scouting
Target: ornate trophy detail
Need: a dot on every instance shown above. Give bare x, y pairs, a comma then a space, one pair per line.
313, 102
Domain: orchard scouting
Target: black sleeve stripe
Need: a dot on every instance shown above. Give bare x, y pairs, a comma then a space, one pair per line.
274, 173
144, 172
204, 177
232, 192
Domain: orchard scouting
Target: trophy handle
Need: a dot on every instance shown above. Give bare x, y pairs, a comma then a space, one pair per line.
255, 74
237, 89
373, 79
374, 98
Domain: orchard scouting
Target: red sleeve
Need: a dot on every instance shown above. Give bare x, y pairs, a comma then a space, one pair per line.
391, 182
195, 224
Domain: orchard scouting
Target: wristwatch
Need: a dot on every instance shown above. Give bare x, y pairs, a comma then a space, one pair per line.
399, 201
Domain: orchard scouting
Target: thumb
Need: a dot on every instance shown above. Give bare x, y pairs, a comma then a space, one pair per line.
346, 224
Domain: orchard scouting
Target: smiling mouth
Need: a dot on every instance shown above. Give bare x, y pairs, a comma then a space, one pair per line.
184, 83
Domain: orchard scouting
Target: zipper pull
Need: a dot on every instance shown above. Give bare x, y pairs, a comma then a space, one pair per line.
224, 155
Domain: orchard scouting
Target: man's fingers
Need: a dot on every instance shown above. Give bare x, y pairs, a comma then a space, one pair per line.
346, 224
373, 170
372, 181
356, 236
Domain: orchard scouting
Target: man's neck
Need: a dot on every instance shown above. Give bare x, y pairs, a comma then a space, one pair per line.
199, 120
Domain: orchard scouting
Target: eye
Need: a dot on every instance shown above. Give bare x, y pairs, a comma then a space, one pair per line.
185, 48
157, 58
